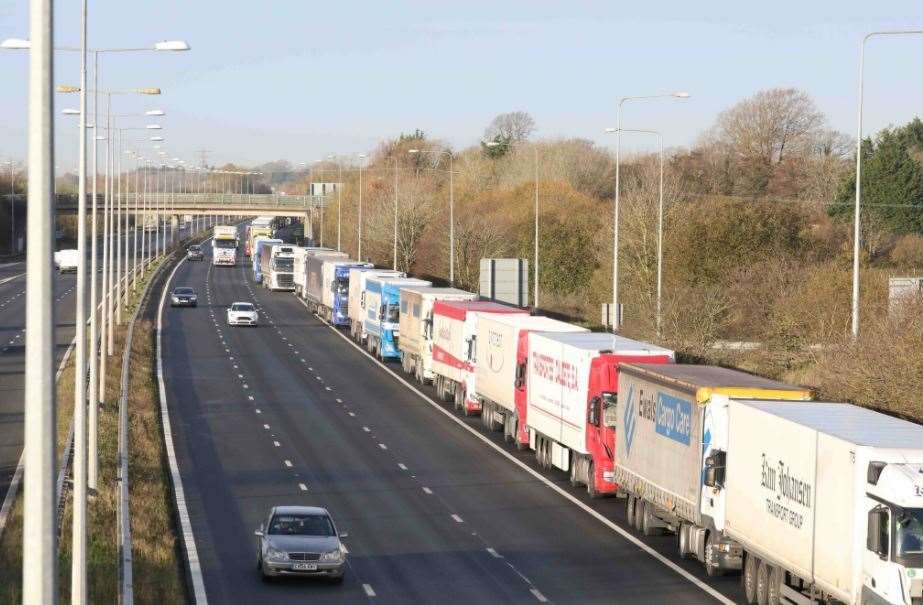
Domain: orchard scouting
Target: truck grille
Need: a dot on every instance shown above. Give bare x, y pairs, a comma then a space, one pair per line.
303, 556
286, 280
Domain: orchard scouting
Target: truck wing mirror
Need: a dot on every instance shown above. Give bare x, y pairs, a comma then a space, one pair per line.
877, 532
714, 470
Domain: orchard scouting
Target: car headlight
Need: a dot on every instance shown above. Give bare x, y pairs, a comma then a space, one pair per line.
175, 299
278, 555
333, 555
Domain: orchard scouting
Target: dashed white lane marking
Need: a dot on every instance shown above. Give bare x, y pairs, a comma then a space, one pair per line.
250, 397
239, 375
383, 446
427, 491
245, 386
402, 466
328, 388
538, 595
494, 553
303, 487
366, 429
369, 591
259, 411
339, 400
288, 463
310, 369
266, 426
277, 444
352, 414
457, 519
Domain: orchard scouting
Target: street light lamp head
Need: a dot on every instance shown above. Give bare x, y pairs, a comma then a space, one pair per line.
174, 45
71, 112
681, 95
154, 112
610, 130
147, 91
413, 151
156, 138
65, 88
16, 44
161, 153
154, 127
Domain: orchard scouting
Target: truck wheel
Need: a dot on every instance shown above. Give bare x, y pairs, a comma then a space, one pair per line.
630, 504
591, 490
762, 583
774, 590
682, 540
748, 578
638, 517
573, 477
711, 568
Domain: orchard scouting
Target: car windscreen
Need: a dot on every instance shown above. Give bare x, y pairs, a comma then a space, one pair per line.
242, 307
194, 249
301, 525
184, 291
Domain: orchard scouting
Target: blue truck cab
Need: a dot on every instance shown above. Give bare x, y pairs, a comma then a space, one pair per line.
382, 314
339, 313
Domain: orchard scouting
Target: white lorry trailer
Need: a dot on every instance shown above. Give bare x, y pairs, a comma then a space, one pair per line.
301, 253
826, 500
416, 327
455, 325
326, 287
501, 354
356, 307
667, 425
66, 261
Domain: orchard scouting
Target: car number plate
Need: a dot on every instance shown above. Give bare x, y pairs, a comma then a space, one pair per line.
304, 566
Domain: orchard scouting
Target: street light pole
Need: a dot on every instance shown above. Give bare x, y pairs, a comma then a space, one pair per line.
451, 206
79, 522
395, 214
615, 316
92, 421
39, 540
361, 157
857, 236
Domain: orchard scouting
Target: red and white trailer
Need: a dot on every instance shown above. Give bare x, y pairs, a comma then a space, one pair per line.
501, 354
454, 348
571, 400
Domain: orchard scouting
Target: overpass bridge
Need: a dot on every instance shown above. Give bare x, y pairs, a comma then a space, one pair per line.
307, 207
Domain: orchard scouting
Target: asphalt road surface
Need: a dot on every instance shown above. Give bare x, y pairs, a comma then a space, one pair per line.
290, 413
12, 353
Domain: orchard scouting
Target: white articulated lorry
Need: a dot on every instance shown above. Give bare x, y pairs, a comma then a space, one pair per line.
826, 500
502, 349
224, 245
356, 307
416, 327
816, 502
278, 267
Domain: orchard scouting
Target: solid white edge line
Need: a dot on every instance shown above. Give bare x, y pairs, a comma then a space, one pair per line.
192, 555
607, 522
9, 279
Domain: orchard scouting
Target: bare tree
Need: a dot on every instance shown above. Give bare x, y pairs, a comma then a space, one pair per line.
770, 124
512, 127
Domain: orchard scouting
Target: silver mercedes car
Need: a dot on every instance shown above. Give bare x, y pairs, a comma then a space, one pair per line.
300, 541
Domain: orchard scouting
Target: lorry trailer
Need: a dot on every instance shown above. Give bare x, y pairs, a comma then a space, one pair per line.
416, 327
382, 313
454, 354
573, 386
300, 267
671, 419
260, 226
262, 247
502, 352
224, 245
356, 308
326, 287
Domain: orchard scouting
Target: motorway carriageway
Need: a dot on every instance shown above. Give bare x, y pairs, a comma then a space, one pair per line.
12, 353
290, 412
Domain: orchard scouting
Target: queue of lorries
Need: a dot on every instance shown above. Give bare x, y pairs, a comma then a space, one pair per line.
812, 501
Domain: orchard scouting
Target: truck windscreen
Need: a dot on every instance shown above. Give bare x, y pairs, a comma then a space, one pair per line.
342, 287
393, 313
225, 243
284, 264
910, 534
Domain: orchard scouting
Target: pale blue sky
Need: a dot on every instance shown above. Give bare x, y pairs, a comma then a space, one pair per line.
298, 80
